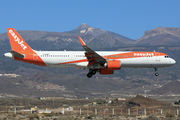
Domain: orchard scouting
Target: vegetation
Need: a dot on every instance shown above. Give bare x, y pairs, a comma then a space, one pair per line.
177, 102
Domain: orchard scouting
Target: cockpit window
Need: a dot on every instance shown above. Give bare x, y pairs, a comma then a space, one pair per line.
166, 56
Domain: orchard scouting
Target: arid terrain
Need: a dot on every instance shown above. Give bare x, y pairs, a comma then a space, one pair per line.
138, 107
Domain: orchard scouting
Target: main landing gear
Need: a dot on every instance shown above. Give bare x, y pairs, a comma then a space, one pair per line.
156, 72
91, 73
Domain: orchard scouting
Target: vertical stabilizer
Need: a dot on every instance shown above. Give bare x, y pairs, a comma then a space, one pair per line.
17, 42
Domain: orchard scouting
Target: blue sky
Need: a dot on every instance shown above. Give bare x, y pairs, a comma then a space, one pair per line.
129, 18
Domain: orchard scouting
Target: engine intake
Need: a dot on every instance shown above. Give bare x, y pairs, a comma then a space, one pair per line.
113, 65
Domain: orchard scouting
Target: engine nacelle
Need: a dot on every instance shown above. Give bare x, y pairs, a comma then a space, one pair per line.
113, 65
110, 66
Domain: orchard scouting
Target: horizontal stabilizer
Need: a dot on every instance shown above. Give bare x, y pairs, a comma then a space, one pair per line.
16, 54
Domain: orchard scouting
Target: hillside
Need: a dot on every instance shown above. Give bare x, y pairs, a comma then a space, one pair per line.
145, 102
169, 88
160, 36
39, 83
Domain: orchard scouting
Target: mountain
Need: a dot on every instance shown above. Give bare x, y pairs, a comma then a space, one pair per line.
160, 36
94, 37
102, 37
86, 29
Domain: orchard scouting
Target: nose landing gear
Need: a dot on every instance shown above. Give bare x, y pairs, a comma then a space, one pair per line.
156, 72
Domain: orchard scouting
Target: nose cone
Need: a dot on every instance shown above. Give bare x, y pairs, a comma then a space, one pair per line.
172, 61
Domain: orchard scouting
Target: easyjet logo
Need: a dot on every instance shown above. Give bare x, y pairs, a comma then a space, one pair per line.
20, 42
143, 54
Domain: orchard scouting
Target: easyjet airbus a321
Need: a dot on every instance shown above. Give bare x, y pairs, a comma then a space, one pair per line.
104, 62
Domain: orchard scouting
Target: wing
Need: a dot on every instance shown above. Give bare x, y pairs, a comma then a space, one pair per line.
92, 56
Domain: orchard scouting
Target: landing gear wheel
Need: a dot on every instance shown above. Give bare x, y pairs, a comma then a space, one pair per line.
89, 75
156, 74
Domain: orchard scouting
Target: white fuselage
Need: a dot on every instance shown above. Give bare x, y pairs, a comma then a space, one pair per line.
78, 59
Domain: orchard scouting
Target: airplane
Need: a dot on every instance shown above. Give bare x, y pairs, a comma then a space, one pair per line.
104, 62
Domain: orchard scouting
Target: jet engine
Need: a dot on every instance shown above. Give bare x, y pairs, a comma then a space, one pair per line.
113, 65
110, 66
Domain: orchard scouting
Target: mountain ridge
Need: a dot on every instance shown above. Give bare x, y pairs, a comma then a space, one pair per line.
86, 29
70, 39
158, 36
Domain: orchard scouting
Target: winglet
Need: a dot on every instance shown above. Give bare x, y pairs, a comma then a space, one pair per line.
82, 42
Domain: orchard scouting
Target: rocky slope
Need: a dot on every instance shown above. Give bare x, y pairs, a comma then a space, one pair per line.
160, 36
169, 88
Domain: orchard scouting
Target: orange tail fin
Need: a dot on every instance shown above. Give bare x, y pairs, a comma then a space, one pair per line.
17, 42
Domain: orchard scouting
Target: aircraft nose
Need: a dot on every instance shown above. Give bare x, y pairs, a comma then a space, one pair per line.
173, 61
